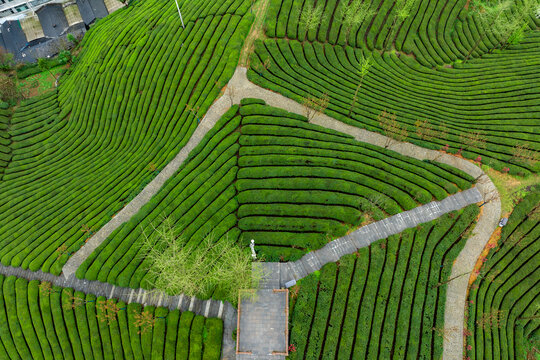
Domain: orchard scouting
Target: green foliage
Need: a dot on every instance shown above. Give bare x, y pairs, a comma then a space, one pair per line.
6, 60
81, 152
73, 39
382, 302
402, 86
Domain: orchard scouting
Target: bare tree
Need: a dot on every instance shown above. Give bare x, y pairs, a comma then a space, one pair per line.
194, 110
61, 250
231, 91
444, 332
107, 310
531, 354
473, 141
392, 129
492, 319
424, 130
449, 280
74, 301
365, 65
315, 105
524, 154
144, 320
261, 67
354, 14
46, 288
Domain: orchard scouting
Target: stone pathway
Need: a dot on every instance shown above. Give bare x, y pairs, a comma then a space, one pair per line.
281, 273
215, 112
207, 308
263, 325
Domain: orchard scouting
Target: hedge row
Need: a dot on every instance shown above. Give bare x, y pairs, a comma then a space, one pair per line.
482, 109
386, 301
40, 322
262, 173
502, 307
120, 115
435, 32
5, 141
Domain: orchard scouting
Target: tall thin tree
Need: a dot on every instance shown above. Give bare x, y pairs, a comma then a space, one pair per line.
365, 65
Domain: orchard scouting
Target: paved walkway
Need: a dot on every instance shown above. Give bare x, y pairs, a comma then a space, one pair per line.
215, 112
487, 223
263, 325
365, 236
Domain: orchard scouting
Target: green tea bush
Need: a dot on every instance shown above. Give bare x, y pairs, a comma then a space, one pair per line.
479, 108
71, 159
502, 304
45, 322
386, 301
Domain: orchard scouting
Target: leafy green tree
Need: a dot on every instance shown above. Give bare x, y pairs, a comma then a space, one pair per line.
354, 14
403, 10
365, 65
504, 20
177, 266
311, 17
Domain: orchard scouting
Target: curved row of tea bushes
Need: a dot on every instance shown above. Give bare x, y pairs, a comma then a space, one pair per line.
503, 301
122, 112
300, 185
265, 174
37, 322
436, 32
5, 140
484, 108
384, 302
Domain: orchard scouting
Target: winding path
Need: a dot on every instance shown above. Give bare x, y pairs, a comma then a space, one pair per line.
457, 289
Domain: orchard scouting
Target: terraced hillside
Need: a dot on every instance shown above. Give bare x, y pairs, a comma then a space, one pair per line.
384, 302
42, 322
435, 33
127, 106
265, 174
487, 107
503, 302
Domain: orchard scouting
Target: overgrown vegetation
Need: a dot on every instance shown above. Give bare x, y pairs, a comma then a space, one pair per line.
177, 266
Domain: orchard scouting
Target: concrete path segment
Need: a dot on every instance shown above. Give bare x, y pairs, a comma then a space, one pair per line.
366, 235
